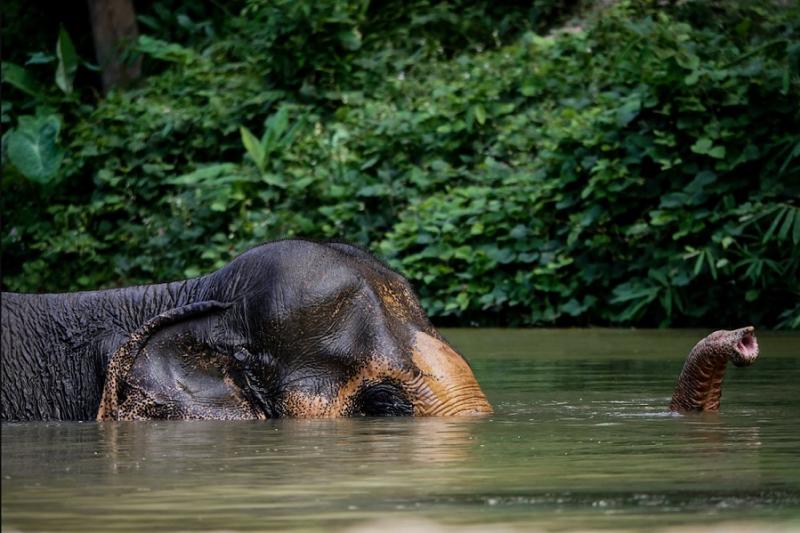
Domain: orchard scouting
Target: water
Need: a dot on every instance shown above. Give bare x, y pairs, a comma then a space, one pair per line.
580, 440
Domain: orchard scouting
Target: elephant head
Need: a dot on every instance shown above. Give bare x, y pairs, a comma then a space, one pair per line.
291, 329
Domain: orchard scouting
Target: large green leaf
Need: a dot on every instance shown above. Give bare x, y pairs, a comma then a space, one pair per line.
253, 147
67, 62
274, 129
20, 78
33, 148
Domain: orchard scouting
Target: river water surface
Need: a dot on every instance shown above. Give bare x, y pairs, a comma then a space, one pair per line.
580, 441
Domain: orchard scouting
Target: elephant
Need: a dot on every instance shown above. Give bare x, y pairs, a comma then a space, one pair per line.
699, 386
290, 328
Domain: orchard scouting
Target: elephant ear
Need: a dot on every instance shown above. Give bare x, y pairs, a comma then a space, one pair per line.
171, 369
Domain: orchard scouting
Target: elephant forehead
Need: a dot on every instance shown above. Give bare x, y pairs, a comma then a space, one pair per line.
398, 300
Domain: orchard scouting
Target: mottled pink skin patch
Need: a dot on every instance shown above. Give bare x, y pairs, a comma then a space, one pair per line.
448, 387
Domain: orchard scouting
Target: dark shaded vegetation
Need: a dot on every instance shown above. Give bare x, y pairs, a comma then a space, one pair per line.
635, 163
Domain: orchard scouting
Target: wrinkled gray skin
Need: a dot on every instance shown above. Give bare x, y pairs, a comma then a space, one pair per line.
291, 328
699, 386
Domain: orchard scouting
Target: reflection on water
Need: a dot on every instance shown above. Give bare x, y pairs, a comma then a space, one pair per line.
580, 439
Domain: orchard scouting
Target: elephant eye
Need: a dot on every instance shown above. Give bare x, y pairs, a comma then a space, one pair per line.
382, 399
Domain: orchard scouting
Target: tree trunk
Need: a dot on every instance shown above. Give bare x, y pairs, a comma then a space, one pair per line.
114, 29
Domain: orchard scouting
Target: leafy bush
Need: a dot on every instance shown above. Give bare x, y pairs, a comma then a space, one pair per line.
641, 168
650, 182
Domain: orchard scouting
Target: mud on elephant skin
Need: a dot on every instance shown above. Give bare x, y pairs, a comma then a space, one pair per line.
291, 328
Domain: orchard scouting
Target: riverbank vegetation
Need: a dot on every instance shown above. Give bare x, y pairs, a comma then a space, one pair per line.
630, 163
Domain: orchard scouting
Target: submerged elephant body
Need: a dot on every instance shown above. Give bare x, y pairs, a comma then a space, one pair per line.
290, 328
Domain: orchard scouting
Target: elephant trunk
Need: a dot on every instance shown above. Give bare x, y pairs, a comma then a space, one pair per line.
446, 385
699, 386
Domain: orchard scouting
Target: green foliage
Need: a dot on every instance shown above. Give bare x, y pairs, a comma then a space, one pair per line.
67, 62
32, 147
642, 168
18, 77
277, 138
654, 183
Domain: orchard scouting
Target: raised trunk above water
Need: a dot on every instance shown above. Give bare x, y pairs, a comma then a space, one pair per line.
699, 386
